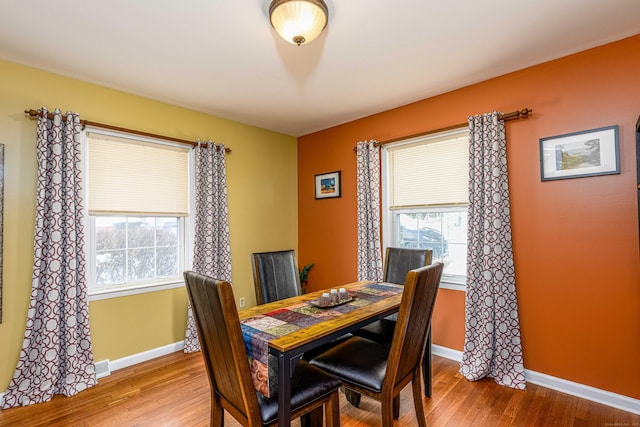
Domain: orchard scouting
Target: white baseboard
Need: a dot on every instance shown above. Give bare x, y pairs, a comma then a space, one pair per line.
584, 391
446, 352
105, 367
608, 398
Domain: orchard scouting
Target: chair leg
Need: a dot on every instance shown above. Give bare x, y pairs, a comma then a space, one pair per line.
417, 400
352, 397
387, 412
312, 419
332, 410
426, 365
396, 407
217, 413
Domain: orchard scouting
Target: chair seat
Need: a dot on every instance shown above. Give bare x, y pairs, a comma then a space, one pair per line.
380, 331
381, 371
308, 384
357, 360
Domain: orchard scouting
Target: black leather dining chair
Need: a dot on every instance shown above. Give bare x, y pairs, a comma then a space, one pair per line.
379, 371
275, 275
397, 263
228, 371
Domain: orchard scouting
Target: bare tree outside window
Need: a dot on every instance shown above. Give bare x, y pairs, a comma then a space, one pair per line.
134, 249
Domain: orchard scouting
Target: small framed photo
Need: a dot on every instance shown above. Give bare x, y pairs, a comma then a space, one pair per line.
579, 154
328, 185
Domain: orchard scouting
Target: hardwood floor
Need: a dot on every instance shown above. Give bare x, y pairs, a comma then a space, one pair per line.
173, 391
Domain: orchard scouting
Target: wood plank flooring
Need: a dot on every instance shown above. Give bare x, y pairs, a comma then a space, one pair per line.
173, 391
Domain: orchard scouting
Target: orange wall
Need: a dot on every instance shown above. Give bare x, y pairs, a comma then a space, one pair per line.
575, 241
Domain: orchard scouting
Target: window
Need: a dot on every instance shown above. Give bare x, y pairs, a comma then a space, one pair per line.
135, 249
425, 193
137, 197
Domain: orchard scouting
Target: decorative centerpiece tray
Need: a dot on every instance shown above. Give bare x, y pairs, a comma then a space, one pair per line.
316, 302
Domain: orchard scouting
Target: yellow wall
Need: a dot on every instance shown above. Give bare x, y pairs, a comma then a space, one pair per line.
262, 184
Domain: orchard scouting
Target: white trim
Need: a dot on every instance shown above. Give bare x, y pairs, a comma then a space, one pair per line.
582, 391
453, 286
190, 221
105, 367
99, 292
96, 295
446, 352
185, 224
387, 218
134, 359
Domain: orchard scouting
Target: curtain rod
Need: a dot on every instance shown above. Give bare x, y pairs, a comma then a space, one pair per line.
520, 114
34, 113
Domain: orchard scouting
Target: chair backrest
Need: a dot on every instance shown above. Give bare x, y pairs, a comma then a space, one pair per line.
399, 261
275, 276
414, 319
223, 349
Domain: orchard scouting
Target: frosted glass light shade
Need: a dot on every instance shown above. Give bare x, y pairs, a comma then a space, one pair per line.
298, 21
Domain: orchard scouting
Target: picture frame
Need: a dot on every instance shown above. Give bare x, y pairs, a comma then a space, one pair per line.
591, 152
328, 185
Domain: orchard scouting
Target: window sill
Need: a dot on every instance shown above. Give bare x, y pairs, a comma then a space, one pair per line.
100, 294
453, 286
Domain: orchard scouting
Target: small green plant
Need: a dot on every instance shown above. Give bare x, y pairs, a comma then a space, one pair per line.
304, 271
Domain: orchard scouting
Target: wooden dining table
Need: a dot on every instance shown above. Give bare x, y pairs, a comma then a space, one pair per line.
289, 348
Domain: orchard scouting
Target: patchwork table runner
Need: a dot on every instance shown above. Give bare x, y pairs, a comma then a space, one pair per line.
257, 331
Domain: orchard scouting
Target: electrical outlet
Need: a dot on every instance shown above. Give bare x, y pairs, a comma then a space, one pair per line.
242, 302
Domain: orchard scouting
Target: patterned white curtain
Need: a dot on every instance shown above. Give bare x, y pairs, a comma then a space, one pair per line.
369, 249
56, 355
492, 328
211, 244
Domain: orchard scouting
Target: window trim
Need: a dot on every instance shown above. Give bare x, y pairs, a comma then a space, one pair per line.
185, 225
388, 233
143, 285
97, 295
448, 281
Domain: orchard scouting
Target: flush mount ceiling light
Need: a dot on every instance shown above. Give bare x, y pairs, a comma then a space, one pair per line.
298, 21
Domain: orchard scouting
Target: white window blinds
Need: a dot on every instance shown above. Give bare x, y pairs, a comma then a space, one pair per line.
132, 176
430, 171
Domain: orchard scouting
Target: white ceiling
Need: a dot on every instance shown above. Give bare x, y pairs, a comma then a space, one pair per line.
222, 57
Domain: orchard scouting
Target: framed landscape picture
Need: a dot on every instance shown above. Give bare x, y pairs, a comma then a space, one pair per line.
579, 154
328, 185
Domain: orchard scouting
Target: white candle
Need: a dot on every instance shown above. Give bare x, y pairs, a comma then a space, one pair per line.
333, 296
